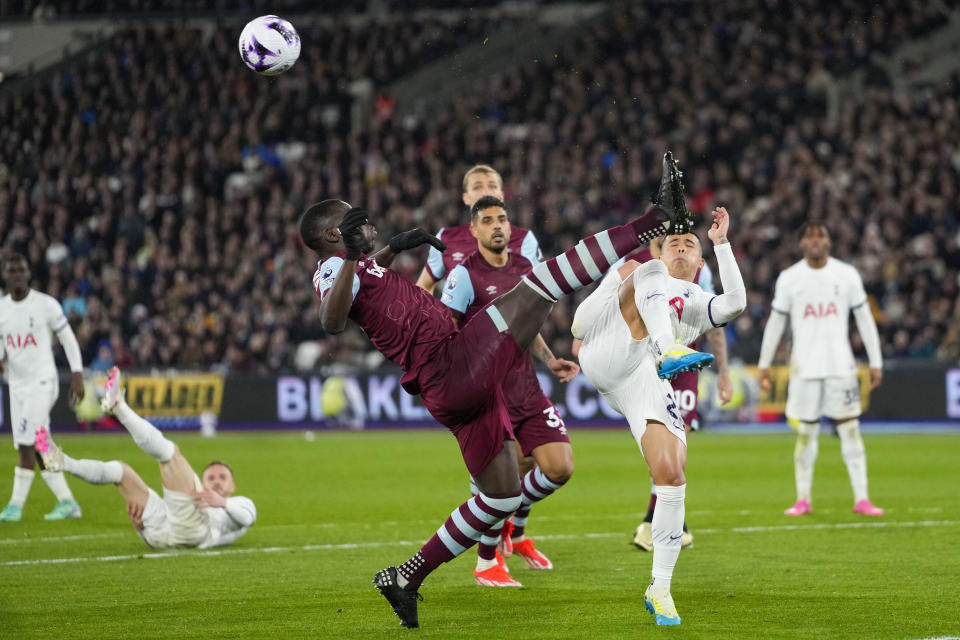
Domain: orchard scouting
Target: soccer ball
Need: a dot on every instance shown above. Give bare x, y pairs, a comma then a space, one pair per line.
269, 45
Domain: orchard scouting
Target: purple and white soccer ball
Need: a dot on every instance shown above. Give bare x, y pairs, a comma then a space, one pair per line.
269, 45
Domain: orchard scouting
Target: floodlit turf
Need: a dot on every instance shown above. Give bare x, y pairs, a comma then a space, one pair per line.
335, 510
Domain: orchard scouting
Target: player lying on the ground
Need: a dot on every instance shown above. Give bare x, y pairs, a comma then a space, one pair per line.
458, 372
483, 276
192, 513
817, 294
28, 320
617, 323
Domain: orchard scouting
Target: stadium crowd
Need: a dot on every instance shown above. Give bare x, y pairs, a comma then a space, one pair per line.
156, 196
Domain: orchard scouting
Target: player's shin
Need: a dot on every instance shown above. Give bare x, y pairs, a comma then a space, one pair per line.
147, 436
854, 456
536, 487
650, 284
94, 471
58, 484
22, 479
462, 530
592, 257
804, 457
667, 530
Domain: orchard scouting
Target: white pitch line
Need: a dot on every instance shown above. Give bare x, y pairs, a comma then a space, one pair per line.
88, 536
407, 543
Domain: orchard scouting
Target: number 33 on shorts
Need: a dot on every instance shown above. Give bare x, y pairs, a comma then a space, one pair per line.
554, 420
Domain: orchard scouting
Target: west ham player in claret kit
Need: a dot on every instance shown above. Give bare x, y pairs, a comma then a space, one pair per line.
28, 320
479, 181
486, 274
817, 294
457, 372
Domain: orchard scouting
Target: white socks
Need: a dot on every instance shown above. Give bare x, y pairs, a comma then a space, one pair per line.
147, 436
667, 530
22, 479
855, 457
649, 292
94, 471
804, 456
58, 484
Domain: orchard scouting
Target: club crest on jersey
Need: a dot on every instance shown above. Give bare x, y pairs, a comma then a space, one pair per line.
492, 289
20, 342
457, 256
820, 310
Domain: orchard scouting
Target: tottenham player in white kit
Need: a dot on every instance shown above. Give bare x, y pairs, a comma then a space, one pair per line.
817, 294
192, 513
28, 320
620, 324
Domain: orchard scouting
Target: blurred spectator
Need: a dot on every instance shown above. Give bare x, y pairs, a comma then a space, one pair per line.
156, 182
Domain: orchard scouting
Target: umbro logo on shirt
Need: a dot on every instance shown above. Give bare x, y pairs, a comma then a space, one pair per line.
491, 289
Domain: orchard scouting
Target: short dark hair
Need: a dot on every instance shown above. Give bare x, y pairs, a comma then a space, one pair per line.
318, 218
691, 232
809, 225
486, 202
13, 256
215, 463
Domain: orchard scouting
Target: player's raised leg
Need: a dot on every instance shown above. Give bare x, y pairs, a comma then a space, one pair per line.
175, 472
130, 485
524, 308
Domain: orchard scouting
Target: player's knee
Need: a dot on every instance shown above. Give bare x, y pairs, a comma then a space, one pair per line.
558, 472
652, 268
849, 429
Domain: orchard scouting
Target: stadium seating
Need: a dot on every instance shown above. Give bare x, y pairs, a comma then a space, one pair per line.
157, 194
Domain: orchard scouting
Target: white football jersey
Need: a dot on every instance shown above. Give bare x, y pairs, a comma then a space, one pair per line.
223, 530
26, 330
818, 303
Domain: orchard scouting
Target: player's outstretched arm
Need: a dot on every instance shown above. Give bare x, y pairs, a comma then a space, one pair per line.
733, 301
404, 242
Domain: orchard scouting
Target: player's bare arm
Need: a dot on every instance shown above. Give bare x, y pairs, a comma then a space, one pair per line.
426, 281
721, 224
718, 346
563, 369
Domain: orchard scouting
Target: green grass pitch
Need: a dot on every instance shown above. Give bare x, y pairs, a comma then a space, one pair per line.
334, 510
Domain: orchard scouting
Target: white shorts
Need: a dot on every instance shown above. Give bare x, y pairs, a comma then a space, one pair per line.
30, 406
174, 521
836, 398
624, 371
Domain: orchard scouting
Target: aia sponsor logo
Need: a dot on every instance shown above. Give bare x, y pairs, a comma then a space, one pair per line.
820, 310
17, 341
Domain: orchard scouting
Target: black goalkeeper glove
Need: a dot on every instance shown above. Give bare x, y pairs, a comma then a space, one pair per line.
350, 231
413, 239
